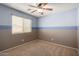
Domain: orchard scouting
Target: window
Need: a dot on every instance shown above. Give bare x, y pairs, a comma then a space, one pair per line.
20, 25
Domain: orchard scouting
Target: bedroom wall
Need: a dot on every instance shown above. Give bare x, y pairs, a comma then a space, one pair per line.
78, 27
60, 28
7, 39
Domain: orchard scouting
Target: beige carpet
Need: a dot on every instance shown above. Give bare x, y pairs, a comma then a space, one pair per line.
39, 48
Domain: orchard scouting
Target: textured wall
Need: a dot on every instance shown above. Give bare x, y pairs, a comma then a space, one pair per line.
60, 27
7, 39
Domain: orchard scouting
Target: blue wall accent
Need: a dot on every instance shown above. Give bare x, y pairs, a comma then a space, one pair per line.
64, 27
57, 28
5, 27
62, 20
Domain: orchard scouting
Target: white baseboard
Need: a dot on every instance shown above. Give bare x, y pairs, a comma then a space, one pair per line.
62, 45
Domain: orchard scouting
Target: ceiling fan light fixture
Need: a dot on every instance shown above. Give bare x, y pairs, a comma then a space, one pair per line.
41, 8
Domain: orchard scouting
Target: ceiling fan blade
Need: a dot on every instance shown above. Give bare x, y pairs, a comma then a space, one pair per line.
32, 6
48, 9
33, 11
29, 9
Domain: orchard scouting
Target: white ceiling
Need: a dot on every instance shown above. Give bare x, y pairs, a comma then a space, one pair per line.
57, 7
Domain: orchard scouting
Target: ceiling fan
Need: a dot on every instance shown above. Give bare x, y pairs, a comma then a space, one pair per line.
41, 7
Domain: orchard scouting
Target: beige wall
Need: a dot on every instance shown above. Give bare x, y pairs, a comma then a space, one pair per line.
64, 37
7, 40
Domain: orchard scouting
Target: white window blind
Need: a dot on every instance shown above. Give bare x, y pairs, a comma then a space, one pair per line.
21, 25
